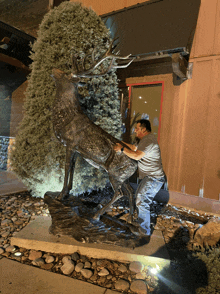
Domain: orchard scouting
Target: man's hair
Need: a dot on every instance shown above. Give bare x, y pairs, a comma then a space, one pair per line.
145, 123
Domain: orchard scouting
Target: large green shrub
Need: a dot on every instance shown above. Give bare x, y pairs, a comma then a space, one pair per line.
38, 157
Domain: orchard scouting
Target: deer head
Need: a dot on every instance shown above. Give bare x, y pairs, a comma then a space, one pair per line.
79, 70
88, 73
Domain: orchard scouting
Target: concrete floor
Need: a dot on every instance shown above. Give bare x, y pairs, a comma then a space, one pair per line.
9, 183
36, 236
17, 278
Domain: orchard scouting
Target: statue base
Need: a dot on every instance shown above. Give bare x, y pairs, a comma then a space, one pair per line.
73, 218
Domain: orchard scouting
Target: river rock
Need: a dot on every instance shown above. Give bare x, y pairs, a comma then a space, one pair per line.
38, 262
79, 267
47, 266
86, 273
5, 222
49, 259
34, 255
87, 264
139, 287
122, 268
75, 256
18, 222
122, 285
136, 266
103, 272
66, 259
141, 276
2, 250
10, 248
68, 267
5, 234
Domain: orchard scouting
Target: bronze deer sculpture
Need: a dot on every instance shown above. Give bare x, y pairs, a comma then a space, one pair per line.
79, 134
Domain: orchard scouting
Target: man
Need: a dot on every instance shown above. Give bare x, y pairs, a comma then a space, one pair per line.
151, 173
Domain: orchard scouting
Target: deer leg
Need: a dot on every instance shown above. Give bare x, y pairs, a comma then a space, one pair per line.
132, 205
72, 166
117, 195
65, 190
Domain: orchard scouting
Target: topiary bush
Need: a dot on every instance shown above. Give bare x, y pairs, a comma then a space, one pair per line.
38, 157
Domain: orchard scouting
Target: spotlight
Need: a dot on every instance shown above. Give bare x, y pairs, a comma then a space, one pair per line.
17, 254
155, 270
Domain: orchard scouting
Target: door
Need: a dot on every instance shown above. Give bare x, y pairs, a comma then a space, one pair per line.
146, 103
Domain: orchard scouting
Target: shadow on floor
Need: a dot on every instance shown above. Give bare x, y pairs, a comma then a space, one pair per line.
186, 272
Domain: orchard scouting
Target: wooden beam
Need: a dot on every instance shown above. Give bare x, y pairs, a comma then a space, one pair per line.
15, 62
179, 64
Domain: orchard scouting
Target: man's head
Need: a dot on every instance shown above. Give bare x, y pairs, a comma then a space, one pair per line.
143, 127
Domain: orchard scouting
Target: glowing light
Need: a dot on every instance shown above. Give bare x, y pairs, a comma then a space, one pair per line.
140, 97
17, 254
155, 270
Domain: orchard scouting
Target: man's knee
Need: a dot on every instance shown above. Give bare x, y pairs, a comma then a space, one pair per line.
162, 196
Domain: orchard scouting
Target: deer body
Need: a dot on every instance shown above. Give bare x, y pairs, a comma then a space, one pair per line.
79, 134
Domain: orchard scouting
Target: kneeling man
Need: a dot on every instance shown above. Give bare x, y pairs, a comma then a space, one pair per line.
151, 173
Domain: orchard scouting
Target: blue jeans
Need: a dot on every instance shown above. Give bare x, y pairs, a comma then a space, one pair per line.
146, 191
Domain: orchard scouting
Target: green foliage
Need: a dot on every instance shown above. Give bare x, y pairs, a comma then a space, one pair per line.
38, 158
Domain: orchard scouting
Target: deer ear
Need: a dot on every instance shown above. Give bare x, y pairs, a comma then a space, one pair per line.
57, 73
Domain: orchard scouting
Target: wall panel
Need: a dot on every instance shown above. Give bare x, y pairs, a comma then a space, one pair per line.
205, 30
103, 7
195, 122
212, 142
216, 49
178, 133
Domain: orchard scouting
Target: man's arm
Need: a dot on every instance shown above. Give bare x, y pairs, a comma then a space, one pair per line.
131, 146
137, 154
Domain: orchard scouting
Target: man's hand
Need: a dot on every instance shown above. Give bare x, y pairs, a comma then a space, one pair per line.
117, 147
136, 155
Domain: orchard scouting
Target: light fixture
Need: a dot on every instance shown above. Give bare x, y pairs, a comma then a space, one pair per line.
17, 254
155, 270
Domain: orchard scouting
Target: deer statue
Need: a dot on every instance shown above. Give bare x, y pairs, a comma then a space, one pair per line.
80, 135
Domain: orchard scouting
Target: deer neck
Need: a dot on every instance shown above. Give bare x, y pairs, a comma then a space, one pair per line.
67, 96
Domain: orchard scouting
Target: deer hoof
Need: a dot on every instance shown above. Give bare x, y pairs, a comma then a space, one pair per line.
130, 219
60, 197
96, 217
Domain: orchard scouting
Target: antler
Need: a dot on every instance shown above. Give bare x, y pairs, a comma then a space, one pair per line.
107, 55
